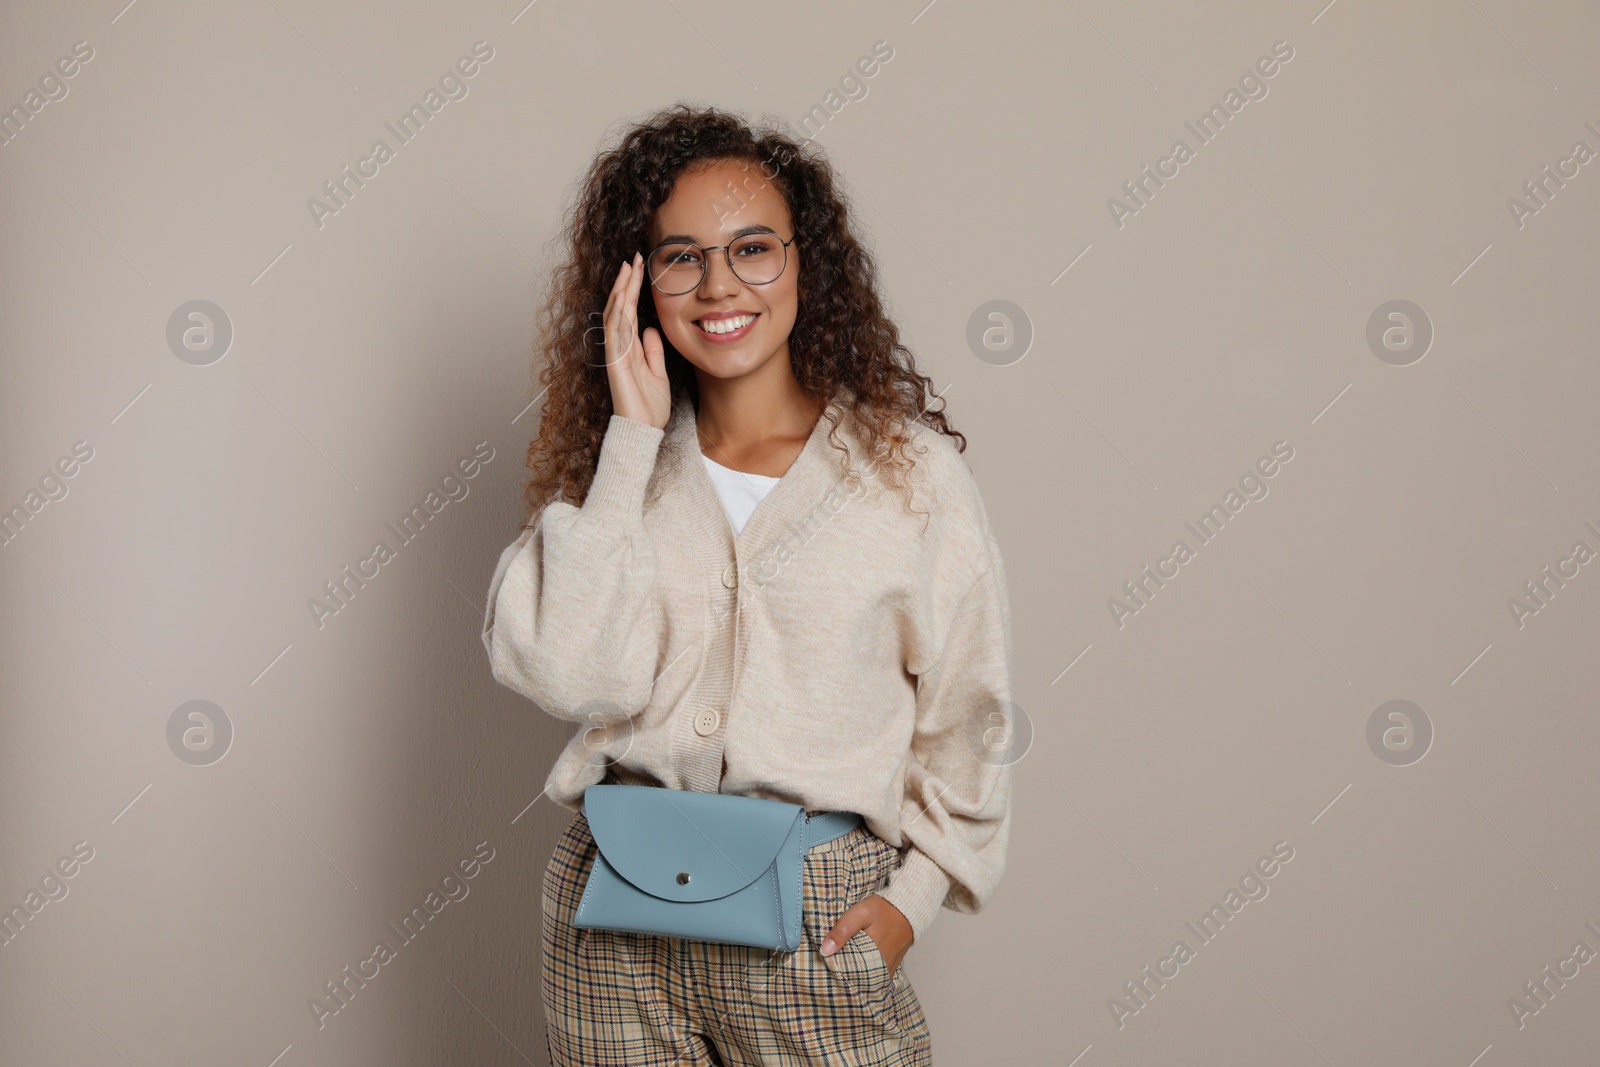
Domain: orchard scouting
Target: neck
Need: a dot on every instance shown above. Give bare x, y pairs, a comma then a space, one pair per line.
739, 414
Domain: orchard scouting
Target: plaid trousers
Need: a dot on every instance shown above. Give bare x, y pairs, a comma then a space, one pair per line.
620, 999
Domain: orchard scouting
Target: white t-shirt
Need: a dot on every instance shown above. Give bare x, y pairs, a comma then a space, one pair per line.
740, 491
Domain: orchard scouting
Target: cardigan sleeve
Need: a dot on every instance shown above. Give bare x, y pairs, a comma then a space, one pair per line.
567, 623
956, 811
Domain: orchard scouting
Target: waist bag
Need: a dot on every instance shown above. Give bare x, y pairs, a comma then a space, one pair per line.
703, 866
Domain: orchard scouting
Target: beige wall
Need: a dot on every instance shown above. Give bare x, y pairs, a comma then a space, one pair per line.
1171, 749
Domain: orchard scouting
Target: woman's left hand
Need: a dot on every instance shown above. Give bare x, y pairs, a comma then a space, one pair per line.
882, 921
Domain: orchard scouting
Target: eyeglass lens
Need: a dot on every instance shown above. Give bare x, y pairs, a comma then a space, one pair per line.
757, 258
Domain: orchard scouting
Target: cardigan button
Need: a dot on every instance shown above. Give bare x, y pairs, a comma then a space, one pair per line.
730, 575
706, 722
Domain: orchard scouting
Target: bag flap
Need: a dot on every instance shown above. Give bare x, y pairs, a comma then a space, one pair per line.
722, 841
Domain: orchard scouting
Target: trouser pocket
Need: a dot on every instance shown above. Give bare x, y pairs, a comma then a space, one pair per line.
854, 984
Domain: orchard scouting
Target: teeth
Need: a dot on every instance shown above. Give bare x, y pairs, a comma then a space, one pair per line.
727, 325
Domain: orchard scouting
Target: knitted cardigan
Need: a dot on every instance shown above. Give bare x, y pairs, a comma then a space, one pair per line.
840, 653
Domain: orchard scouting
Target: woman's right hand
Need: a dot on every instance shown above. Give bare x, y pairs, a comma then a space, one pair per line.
636, 368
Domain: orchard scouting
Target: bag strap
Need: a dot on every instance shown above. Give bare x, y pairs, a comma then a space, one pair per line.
823, 828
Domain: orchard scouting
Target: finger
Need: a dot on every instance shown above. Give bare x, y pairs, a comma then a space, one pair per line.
843, 930
654, 353
631, 305
630, 312
619, 337
624, 333
605, 318
617, 285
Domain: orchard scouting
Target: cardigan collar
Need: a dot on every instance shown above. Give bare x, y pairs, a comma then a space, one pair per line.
814, 473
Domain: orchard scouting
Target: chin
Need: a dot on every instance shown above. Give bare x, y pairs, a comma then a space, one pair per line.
724, 366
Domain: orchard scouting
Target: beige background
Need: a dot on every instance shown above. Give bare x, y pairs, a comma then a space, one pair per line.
370, 755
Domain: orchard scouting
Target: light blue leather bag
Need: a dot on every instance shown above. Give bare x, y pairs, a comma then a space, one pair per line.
703, 866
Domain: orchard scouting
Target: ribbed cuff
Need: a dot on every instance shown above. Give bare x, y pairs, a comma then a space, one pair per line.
627, 459
917, 889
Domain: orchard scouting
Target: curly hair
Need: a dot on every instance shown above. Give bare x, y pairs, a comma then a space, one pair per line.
843, 346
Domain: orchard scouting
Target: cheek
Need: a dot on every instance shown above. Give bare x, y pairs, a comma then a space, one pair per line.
783, 297
787, 309
671, 315
680, 333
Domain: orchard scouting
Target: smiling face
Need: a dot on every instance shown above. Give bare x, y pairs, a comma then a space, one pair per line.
704, 209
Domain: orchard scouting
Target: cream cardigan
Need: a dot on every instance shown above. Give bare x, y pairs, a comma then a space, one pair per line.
840, 653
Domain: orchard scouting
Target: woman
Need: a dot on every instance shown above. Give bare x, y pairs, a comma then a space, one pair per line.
778, 580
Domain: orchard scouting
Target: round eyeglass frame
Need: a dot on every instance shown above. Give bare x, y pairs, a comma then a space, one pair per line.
727, 255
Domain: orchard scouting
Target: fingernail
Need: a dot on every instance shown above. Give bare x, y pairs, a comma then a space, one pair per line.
828, 947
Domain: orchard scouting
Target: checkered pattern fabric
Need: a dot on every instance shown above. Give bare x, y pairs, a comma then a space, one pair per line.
619, 999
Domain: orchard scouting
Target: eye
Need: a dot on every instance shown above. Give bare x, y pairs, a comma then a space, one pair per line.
681, 257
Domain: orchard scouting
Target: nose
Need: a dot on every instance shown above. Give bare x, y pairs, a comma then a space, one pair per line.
719, 278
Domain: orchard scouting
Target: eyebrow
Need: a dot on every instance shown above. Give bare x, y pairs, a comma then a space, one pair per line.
690, 238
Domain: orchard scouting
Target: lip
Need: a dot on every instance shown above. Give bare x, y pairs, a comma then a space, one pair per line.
726, 338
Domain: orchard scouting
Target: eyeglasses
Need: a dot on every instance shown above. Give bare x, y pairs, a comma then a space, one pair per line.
679, 267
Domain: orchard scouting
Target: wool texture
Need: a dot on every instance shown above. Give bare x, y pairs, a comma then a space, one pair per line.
841, 653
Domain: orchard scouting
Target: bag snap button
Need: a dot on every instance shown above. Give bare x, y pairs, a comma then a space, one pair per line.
683, 877
706, 722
